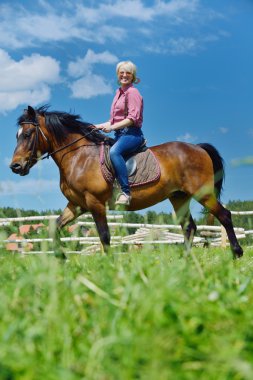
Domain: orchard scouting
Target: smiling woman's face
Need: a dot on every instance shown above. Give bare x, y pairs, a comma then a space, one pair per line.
125, 77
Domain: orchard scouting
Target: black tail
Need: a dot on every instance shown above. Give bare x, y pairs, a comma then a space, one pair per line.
218, 166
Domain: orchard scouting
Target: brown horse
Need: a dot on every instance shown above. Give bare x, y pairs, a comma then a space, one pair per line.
187, 171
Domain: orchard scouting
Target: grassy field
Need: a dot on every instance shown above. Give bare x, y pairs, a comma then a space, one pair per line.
153, 315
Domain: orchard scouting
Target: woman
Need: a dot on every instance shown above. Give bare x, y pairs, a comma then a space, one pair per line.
126, 121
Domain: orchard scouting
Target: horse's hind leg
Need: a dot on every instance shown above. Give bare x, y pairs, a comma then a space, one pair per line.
224, 217
181, 204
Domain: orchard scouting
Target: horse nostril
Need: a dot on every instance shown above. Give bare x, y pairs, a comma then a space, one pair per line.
15, 167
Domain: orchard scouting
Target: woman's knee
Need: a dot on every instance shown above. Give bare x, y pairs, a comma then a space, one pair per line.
113, 153
116, 156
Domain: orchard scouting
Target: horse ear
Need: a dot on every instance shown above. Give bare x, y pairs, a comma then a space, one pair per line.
31, 113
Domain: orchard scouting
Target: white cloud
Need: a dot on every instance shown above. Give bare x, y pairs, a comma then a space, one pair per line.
27, 80
11, 100
177, 8
187, 137
88, 83
84, 65
28, 72
54, 24
153, 28
133, 9
182, 45
89, 86
224, 130
28, 187
136, 9
104, 21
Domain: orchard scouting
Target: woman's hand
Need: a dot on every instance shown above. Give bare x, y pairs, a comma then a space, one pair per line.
105, 127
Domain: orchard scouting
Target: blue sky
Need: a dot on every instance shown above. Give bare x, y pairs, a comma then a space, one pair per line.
194, 59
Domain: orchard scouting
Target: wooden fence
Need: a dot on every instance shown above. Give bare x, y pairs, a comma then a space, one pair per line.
144, 234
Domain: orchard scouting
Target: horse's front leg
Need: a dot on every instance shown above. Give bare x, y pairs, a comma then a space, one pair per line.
70, 213
98, 211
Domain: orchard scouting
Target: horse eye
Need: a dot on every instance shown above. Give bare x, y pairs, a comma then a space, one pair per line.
27, 133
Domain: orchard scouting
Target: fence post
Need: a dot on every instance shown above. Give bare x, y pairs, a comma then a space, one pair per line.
223, 237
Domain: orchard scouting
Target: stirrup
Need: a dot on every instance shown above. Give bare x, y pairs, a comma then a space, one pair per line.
126, 201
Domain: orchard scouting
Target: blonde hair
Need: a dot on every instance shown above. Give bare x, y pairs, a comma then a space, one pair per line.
128, 66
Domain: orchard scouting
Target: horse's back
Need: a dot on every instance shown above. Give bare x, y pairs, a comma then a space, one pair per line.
179, 151
185, 166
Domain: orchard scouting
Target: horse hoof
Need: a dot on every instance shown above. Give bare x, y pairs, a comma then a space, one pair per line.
237, 252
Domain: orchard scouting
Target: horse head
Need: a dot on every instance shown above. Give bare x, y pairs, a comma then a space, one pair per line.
31, 142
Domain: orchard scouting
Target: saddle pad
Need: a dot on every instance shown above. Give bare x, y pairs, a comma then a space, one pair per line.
148, 169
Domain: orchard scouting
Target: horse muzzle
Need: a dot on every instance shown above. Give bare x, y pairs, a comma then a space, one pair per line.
21, 169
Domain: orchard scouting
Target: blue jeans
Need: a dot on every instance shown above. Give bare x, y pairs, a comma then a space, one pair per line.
123, 147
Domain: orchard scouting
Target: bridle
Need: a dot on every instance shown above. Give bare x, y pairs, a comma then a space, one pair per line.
38, 131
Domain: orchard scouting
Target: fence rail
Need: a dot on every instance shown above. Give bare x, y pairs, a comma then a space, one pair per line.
145, 233
50, 217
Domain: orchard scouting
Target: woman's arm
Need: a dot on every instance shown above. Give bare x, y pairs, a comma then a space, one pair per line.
107, 127
122, 124
102, 125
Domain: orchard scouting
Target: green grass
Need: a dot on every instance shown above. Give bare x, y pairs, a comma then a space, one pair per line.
152, 314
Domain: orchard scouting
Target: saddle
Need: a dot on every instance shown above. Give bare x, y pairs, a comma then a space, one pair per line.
143, 167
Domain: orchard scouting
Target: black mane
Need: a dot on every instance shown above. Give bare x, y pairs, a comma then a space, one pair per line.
60, 124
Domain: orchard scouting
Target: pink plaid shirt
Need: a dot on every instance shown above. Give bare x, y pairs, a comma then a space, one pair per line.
134, 106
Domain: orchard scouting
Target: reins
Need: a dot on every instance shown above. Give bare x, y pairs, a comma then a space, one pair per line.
48, 155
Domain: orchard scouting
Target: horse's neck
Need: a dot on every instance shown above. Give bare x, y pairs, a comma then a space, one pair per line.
67, 151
